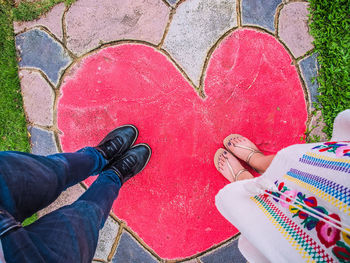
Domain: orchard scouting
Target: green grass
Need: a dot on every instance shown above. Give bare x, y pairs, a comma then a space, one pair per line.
330, 27
13, 132
27, 11
30, 220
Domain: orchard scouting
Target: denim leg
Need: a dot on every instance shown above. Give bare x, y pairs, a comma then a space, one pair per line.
70, 233
30, 182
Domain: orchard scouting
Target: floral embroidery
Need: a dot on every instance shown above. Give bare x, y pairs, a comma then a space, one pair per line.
342, 252
328, 235
340, 149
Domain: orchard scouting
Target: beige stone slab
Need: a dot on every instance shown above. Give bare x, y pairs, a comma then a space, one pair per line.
106, 239
67, 197
90, 22
293, 28
38, 98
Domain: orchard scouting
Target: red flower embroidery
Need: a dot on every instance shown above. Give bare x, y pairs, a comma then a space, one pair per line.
342, 253
303, 215
311, 201
328, 234
280, 186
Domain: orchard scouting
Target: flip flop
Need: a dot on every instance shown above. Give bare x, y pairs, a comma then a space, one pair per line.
216, 163
252, 151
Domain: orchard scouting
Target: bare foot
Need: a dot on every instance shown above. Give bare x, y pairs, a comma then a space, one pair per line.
244, 149
230, 167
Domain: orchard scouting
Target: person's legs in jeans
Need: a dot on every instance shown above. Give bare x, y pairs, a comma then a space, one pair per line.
29, 182
70, 233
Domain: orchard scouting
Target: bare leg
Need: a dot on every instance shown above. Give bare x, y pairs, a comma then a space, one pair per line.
260, 162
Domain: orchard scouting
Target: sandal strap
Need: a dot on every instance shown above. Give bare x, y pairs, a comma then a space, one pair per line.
252, 151
235, 176
239, 172
231, 170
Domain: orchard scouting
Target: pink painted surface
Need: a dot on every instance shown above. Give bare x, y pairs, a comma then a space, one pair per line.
251, 89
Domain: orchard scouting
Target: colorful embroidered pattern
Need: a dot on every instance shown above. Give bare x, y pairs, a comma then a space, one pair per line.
339, 148
329, 236
336, 194
326, 162
302, 242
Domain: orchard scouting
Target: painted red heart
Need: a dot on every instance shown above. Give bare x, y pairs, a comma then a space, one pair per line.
251, 88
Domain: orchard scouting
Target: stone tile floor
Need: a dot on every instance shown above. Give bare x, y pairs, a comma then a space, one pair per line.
195, 37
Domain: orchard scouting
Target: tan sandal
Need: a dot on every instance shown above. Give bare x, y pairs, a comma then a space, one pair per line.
216, 163
252, 151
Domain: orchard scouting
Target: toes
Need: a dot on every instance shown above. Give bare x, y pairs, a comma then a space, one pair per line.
221, 158
235, 140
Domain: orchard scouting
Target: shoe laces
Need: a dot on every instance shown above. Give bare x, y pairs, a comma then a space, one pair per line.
128, 163
112, 146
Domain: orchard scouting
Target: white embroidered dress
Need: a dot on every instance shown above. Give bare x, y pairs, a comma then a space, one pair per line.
275, 228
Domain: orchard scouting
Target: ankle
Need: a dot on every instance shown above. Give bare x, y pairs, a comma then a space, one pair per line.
244, 176
261, 162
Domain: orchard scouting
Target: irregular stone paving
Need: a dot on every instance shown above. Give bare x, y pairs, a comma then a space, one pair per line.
38, 98
293, 28
172, 2
87, 26
195, 28
194, 39
129, 251
48, 55
260, 13
106, 240
229, 253
67, 197
309, 68
52, 21
42, 141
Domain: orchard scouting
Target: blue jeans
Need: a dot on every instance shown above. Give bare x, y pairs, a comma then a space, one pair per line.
29, 183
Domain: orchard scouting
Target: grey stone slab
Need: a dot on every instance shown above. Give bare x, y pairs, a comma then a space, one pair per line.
130, 251
228, 253
42, 141
172, 2
260, 13
196, 26
191, 261
106, 239
309, 69
37, 49
67, 197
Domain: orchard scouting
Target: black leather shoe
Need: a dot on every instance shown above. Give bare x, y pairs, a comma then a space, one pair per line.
117, 142
132, 162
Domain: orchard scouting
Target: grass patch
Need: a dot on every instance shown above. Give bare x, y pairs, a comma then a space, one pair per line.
27, 10
330, 27
13, 131
30, 220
